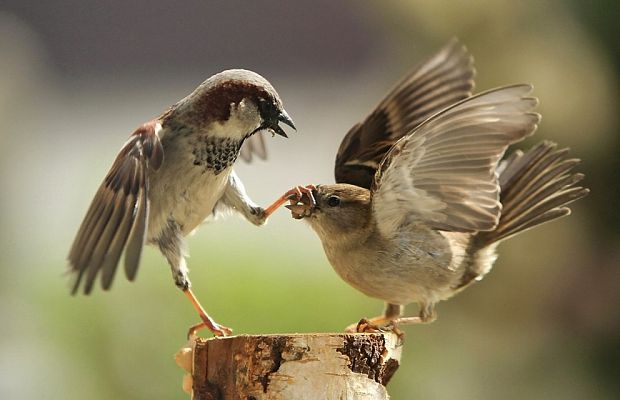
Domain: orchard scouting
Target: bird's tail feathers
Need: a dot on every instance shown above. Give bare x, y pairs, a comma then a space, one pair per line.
536, 187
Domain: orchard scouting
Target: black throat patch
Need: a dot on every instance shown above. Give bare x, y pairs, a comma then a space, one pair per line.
216, 154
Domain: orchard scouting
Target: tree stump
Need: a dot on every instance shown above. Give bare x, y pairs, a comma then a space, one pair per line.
297, 366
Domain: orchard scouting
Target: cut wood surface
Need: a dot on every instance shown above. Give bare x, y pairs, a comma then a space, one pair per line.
296, 366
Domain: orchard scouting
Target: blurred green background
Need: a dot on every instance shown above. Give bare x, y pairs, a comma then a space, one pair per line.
76, 77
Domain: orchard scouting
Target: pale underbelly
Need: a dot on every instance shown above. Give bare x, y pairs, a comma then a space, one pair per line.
184, 200
403, 282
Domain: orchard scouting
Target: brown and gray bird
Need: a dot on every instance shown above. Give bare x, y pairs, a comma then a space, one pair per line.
422, 199
173, 173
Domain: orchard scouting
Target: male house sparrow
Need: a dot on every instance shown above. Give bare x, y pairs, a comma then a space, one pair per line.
420, 207
171, 174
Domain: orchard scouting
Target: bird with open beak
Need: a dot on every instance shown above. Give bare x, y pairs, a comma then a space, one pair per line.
422, 199
171, 174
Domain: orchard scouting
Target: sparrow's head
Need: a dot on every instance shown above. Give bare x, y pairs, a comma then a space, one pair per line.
234, 103
339, 209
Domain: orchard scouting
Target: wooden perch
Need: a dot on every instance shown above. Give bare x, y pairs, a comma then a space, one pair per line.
298, 366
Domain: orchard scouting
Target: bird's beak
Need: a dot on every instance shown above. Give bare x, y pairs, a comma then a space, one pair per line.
271, 124
284, 118
298, 211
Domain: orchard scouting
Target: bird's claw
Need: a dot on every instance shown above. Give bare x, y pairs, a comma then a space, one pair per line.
215, 328
302, 201
367, 326
297, 193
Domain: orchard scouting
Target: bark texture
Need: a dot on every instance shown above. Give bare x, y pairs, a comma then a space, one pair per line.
299, 366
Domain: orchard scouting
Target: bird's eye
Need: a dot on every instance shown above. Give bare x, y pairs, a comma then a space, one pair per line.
265, 108
333, 201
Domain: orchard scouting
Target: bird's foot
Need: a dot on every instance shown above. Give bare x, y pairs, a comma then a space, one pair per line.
302, 203
372, 325
377, 325
207, 321
294, 195
301, 193
214, 327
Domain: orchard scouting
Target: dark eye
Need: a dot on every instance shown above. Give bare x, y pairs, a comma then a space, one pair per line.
266, 108
333, 201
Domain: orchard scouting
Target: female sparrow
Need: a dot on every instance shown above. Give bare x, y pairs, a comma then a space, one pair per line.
422, 199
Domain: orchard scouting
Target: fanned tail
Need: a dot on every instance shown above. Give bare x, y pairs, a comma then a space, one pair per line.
536, 187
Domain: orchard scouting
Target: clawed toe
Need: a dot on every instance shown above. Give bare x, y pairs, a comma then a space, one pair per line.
302, 201
217, 329
207, 321
365, 326
368, 326
302, 194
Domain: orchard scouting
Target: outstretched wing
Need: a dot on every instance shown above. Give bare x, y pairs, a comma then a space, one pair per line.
253, 146
444, 79
118, 215
444, 173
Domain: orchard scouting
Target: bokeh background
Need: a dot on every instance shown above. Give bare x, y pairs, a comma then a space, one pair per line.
76, 77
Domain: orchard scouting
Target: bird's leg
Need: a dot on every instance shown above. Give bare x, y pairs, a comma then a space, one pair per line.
207, 321
295, 194
381, 323
171, 244
236, 197
183, 283
426, 316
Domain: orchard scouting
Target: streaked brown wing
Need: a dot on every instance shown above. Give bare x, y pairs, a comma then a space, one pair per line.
117, 218
253, 146
444, 79
444, 173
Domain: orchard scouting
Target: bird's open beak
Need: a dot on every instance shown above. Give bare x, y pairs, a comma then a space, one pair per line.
271, 124
284, 118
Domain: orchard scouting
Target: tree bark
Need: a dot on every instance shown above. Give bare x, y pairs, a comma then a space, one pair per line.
299, 366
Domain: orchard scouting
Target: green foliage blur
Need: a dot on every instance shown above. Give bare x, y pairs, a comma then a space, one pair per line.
76, 79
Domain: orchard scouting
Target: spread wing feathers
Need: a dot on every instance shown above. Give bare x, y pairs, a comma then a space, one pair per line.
536, 187
254, 145
118, 215
444, 79
444, 173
